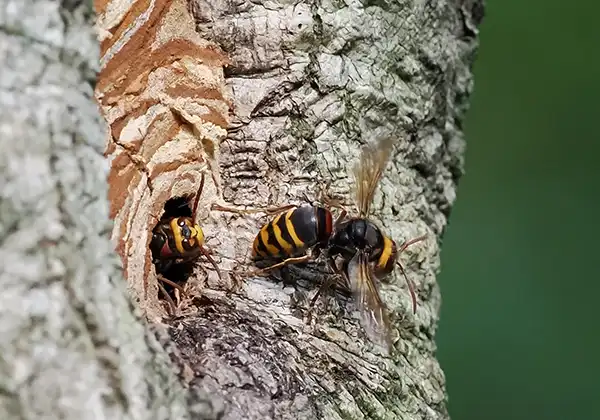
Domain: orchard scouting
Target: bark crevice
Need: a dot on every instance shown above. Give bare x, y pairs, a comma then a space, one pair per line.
273, 100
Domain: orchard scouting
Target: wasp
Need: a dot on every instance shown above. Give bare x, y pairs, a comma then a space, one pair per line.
302, 233
291, 234
177, 241
367, 254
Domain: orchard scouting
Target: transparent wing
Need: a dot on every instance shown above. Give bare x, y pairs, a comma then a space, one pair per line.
367, 172
372, 310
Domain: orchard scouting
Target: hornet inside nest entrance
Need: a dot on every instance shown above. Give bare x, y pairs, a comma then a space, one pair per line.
177, 243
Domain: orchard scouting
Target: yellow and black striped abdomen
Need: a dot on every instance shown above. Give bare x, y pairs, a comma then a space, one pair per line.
387, 258
288, 234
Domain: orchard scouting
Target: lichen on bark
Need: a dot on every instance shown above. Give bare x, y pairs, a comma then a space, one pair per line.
311, 83
70, 345
271, 99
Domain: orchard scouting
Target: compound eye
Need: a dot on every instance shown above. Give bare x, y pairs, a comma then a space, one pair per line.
186, 232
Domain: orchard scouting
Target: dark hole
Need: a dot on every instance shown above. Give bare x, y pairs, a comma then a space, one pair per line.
178, 207
178, 273
175, 271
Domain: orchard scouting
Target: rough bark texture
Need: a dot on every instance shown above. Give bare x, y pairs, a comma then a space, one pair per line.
311, 82
70, 346
299, 88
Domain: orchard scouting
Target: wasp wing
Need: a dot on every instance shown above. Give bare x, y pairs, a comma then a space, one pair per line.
367, 172
372, 310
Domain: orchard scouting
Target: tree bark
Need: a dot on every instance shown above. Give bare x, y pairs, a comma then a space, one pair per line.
70, 345
271, 99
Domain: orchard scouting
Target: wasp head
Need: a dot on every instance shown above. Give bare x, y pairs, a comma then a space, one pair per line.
187, 234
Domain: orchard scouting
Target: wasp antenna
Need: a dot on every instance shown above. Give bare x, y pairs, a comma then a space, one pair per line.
197, 199
411, 288
411, 242
266, 210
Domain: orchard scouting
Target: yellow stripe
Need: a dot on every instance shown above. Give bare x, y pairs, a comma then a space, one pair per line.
264, 235
386, 253
177, 235
287, 247
255, 250
291, 230
198, 234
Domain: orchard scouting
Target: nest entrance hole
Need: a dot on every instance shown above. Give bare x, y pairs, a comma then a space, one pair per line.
177, 207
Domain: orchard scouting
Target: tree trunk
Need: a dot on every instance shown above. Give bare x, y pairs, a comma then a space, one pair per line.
71, 346
271, 100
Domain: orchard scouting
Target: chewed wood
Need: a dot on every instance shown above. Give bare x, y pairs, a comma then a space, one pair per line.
162, 93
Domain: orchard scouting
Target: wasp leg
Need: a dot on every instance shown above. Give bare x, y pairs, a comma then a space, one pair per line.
323, 199
171, 283
212, 261
266, 210
328, 201
172, 306
335, 204
263, 271
286, 278
324, 288
329, 281
236, 281
316, 251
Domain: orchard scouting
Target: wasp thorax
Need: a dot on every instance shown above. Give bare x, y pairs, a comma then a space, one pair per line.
365, 234
358, 234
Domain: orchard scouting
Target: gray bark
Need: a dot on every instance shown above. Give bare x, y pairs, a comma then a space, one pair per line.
310, 83
70, 345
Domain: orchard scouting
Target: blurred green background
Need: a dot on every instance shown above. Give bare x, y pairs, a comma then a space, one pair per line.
519, 335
